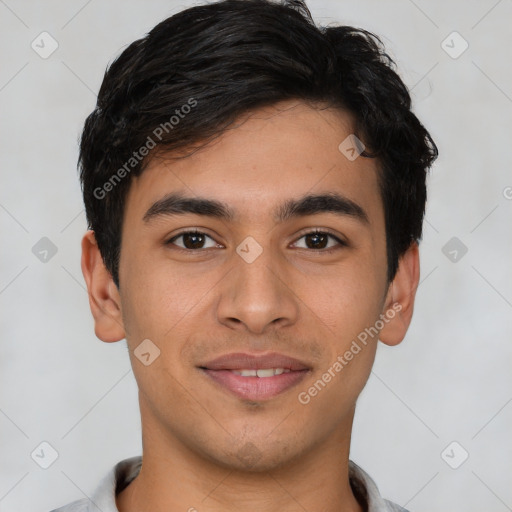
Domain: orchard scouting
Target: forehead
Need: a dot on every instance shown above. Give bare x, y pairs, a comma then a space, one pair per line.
275, 153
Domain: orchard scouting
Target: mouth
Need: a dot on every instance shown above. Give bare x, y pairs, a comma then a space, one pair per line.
255, 377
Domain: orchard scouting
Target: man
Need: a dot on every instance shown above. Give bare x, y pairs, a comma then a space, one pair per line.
255, 191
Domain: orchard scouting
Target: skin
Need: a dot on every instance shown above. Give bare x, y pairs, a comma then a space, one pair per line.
292, 299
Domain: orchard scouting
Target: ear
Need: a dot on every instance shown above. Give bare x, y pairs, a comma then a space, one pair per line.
399, 304
104, 298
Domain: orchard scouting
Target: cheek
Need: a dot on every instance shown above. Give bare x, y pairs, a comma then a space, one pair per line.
158, 300
344, 303
345, 312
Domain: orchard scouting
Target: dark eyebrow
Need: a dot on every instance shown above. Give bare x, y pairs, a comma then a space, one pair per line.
178, 204
321, 203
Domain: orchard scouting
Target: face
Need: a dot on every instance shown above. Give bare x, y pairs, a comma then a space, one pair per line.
256, 282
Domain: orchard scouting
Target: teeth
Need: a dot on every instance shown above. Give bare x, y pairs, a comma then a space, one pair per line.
248, 373
263, 372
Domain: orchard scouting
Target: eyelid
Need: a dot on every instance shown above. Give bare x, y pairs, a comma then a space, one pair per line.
196, 231
340, 242
301, 234
325, 231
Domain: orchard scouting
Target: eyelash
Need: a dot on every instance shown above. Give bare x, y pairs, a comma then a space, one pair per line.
341, 243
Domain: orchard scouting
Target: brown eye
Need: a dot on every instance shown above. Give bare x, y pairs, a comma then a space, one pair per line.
319, 240
191, 240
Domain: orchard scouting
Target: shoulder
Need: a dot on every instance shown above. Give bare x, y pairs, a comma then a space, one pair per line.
104, 497
393, 507
368, 492
76, 506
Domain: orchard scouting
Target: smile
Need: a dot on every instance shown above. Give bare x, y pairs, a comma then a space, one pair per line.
256, 384
260, 372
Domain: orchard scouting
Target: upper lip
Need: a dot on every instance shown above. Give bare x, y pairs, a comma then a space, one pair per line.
243, 361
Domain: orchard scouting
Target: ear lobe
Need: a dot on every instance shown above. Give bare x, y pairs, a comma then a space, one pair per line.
104, 299
400, 298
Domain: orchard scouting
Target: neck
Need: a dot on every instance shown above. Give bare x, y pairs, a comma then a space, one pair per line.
174, 477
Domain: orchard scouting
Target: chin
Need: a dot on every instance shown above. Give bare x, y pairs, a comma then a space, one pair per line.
256, 456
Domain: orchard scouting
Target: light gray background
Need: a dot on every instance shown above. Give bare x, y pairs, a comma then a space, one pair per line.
450, 380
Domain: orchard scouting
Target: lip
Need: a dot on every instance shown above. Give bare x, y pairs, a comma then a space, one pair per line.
243, 360
255, 388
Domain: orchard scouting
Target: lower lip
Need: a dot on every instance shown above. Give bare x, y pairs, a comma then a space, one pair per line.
255, 388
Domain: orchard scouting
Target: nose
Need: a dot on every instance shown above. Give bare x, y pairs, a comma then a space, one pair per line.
258, 295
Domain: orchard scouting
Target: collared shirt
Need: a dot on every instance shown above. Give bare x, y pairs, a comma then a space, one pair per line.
122, 474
